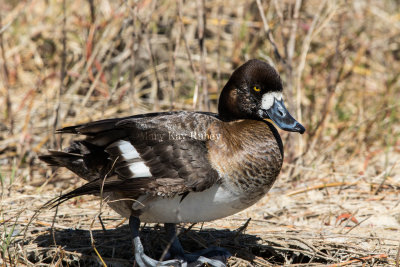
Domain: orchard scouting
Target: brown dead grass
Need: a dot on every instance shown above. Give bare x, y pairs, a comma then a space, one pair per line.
337, 198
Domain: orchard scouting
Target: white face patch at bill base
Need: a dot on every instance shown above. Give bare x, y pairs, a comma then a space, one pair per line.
268, 99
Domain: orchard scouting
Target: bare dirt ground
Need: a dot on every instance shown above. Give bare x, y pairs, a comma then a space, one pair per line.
337, 199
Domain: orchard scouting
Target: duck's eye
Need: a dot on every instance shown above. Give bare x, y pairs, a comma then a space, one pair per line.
256, 88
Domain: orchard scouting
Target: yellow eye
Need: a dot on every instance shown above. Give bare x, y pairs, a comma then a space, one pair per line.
257, 89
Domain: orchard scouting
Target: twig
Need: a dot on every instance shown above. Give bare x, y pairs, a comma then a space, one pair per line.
104, 181
92, 11
99, 77
189, 228
135, 37
385, 176
120, 223
242, 228
93, 242
348, 219
291, 44
278, 11
268, 32
201, 18
170, 242
102, 224
302, 251
173, 68
158, 93
52, 227
9, 112
315, 250
320, 186
62, 77
3, 28
304, 51
338, 60
379, 256
196, 91
99, 213
360, 222
220, 8
198, 239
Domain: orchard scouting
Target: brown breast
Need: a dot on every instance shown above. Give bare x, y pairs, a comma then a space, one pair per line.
246, 154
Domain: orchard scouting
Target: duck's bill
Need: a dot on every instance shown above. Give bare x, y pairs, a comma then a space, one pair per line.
282, 118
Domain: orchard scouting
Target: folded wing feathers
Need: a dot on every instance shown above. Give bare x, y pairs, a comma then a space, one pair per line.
129, 163
131, 187
168, 161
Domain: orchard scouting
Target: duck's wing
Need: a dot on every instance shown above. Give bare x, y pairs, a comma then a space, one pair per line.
160, 154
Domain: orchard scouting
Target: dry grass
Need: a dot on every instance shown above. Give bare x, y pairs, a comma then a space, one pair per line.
337, 198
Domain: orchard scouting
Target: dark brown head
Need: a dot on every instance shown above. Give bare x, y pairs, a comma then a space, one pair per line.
254, 91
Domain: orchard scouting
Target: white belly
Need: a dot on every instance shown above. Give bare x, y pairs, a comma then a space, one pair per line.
211, 204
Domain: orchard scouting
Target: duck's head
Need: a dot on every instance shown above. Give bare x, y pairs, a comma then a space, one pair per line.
254, 91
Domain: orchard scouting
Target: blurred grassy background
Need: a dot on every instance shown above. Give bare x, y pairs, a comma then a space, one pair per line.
68, 62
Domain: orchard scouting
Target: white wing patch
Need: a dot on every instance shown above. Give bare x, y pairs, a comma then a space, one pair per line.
268, 99
131, 165
125, 150
139, 169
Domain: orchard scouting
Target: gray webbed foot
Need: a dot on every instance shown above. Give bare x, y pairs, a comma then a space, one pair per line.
213, 256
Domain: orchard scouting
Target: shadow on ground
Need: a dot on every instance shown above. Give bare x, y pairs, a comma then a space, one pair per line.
74, 248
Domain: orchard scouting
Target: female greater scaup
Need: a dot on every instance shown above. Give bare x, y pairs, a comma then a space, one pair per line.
184, 166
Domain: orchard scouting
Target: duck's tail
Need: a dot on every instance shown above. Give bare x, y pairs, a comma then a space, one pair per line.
86, 160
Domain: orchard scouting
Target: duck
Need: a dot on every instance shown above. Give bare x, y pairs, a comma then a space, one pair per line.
184, 166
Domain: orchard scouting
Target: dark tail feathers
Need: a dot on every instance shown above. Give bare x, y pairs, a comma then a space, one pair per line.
60, 158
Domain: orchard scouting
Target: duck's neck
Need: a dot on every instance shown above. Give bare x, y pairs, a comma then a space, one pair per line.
228, 105
227, 109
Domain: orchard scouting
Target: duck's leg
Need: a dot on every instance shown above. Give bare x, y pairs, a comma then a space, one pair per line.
176, 250
142, 259
213, 256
